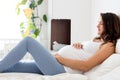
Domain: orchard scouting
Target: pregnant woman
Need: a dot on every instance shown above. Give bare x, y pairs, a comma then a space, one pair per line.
76, 58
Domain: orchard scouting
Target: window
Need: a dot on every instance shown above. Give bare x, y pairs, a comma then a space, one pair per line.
9, 21
9, 26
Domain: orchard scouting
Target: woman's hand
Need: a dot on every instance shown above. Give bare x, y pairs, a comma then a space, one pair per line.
77, 45
59, 58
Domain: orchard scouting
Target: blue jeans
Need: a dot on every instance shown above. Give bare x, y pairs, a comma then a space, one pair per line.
44, 63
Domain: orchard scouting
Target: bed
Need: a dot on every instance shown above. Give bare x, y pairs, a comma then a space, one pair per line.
108, 70
30, 76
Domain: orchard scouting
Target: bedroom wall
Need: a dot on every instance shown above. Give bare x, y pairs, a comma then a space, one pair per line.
79, 13
84, 15
99, 6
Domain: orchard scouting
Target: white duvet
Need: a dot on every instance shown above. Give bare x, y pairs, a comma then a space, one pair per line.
30, 76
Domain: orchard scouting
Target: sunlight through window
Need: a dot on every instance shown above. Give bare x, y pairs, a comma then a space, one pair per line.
9, 21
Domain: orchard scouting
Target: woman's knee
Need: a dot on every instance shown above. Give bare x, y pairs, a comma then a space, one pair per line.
28, 37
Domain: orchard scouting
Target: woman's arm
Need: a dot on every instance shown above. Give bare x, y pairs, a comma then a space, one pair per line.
103, 53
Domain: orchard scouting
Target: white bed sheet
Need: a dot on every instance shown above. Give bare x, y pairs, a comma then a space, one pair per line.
30, 76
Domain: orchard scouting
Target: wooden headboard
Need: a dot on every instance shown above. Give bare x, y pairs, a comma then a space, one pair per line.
60, 31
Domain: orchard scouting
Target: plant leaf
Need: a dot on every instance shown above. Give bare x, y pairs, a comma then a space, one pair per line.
32, 27
18, 11
32, 5
37, 31
45, 17
23, 2
22, 25
39, 2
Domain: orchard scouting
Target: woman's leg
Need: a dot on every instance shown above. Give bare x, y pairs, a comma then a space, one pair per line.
24, 67
14, 56
47, 64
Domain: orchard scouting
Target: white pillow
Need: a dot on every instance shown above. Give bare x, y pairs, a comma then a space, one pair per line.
108, 65
113, 75
57, 46
118, 46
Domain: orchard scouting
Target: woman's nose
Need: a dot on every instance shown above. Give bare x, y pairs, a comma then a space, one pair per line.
98, 25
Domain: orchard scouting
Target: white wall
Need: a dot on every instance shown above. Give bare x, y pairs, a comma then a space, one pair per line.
99, 6
79, 13
84, 15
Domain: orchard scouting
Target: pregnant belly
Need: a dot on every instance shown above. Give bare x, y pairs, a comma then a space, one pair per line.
73, 53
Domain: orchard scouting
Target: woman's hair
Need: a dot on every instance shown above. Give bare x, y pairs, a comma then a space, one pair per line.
111, 27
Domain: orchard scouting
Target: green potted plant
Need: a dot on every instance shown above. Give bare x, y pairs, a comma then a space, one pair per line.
31, 8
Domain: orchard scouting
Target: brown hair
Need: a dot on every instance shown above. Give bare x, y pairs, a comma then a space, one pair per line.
111, 27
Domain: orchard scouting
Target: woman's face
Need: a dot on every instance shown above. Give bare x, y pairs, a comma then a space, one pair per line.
100, 27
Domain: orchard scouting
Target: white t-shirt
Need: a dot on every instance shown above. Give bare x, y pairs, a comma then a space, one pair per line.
89, 49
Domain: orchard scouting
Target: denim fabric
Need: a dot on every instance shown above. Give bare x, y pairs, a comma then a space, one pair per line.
44, 61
